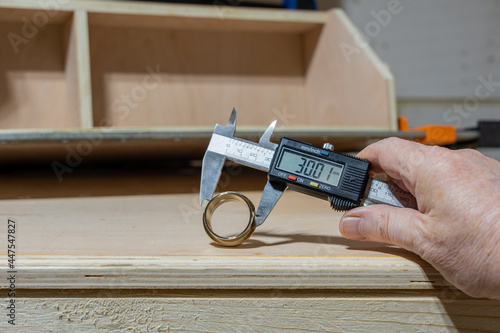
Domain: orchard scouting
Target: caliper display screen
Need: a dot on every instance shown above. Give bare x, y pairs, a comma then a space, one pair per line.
303, 165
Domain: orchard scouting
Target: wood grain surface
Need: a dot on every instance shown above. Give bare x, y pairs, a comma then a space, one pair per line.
144, 263
255, 311
36, 75
159, 242
128, 65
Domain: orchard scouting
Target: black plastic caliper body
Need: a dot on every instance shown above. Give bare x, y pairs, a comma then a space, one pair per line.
321, 173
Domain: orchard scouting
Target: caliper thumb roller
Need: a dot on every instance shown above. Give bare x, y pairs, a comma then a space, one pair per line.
341, 179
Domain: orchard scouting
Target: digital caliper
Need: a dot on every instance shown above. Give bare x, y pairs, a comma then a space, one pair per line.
341, 179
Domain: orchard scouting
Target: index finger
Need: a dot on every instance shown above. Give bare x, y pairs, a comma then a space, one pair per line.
399, 158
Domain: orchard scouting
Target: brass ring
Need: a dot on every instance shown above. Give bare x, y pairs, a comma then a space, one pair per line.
218, 200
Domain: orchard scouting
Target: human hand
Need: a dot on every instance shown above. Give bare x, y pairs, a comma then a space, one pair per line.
457, 225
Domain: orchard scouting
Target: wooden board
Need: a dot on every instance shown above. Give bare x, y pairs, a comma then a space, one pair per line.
159, 242
255, 311
145, 263
36, 72
164, 145
192, 76
328, 63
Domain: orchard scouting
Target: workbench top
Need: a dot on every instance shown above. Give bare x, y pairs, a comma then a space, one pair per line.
158, 241
144, 263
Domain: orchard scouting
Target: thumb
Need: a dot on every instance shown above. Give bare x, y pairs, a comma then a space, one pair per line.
386, 224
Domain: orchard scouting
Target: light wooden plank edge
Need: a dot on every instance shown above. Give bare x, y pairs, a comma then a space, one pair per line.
226, 272
80, 18
382, 67
300, 130
271, 311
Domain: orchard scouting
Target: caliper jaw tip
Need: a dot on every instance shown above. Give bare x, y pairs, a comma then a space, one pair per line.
270, 196
213, 163
210, 173
230, 128
232, 118
265, 139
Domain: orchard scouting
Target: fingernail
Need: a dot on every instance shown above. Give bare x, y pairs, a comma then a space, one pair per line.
349, 227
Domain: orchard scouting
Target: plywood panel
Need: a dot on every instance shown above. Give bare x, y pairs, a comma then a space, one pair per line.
144, 263
130, 65
338, 86
158, 77
35, 74
255, 311
82, 67
297, 78
159, 242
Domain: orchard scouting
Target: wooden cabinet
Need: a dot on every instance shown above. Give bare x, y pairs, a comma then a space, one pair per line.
80, 65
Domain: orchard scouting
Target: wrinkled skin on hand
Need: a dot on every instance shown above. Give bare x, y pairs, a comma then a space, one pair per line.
457, 226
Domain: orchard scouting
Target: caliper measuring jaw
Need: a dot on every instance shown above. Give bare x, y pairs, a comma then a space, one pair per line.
223, 145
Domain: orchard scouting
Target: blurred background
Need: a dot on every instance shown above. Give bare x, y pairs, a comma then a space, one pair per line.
444, 56
438, 52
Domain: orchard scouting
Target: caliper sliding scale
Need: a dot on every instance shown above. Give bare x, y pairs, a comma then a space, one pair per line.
341, 179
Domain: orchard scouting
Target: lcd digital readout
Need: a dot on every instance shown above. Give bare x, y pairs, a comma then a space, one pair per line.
303, 165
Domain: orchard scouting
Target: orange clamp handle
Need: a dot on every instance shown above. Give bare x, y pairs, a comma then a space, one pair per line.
434, 134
